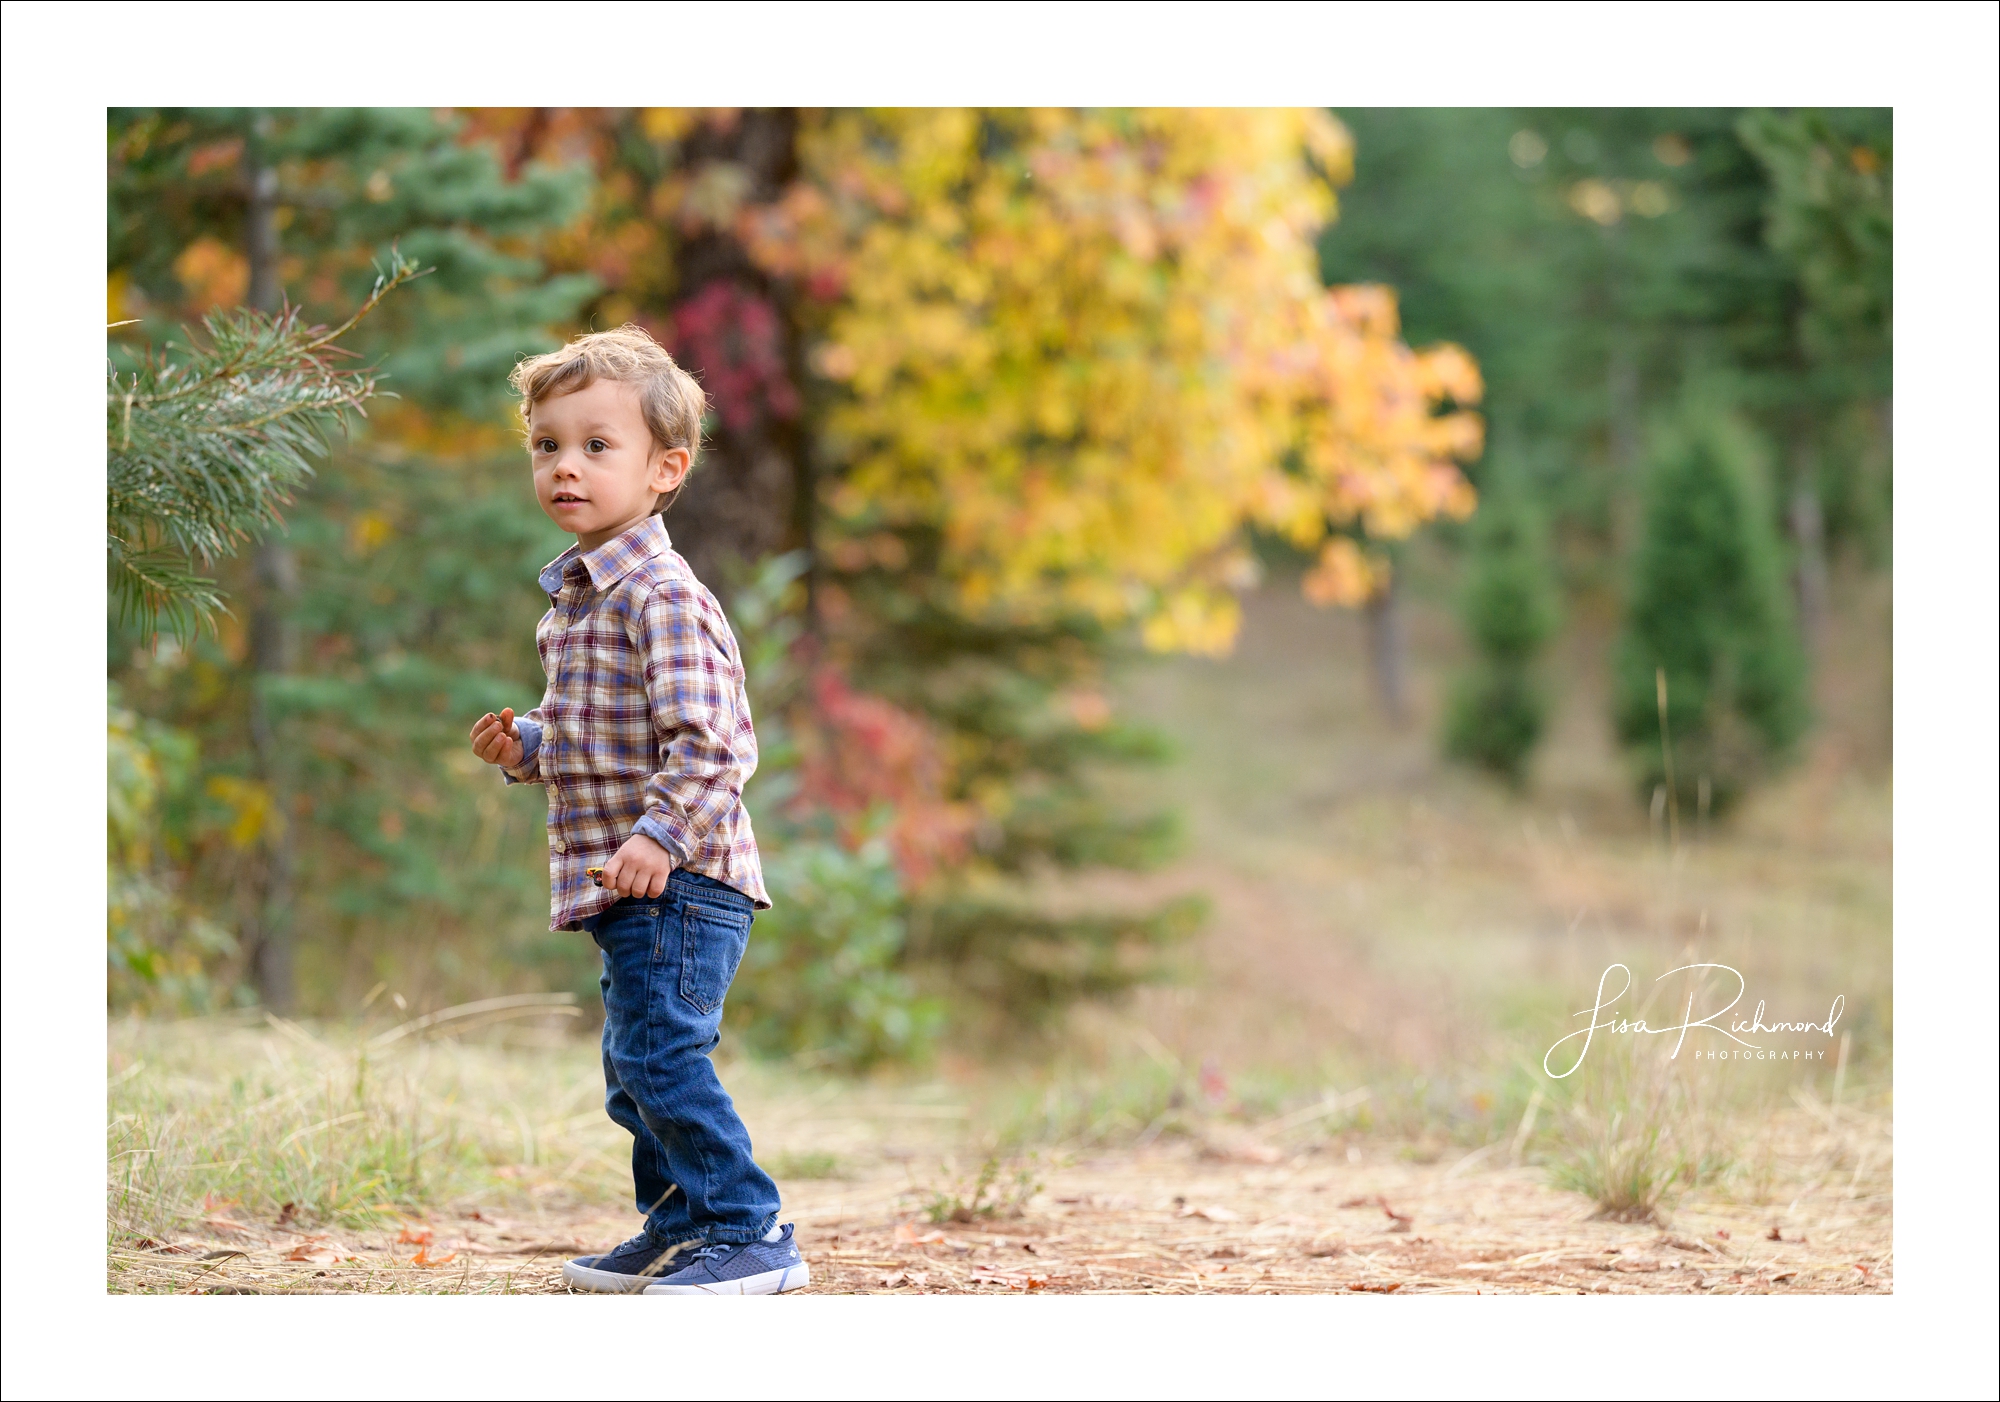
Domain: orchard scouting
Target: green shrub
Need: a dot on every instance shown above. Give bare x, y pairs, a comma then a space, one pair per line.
1019, 966
1509, 608
1708, 610
821, 978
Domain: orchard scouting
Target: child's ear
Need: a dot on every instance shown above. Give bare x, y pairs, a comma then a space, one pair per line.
670, 468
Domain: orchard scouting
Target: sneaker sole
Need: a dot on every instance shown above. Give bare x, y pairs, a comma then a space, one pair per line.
768, 1283
604, 1282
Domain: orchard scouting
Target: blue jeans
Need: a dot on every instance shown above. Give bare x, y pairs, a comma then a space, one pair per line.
668, 962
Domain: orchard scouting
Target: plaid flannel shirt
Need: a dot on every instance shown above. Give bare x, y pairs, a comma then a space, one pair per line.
644, 727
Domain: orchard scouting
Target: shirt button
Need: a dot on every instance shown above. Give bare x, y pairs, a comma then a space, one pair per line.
562, 846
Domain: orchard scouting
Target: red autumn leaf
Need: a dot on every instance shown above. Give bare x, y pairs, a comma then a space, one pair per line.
415, 1234
424, 1257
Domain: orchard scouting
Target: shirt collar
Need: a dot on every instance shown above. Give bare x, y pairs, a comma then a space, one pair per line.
613, 560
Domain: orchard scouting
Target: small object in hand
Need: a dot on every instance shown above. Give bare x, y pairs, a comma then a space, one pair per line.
594, 873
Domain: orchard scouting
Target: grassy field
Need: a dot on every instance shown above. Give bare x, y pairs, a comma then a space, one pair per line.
1395, 944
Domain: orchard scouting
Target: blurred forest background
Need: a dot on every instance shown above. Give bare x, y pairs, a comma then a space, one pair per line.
1539, 460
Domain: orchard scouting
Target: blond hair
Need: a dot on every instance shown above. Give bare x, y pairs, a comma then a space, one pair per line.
668, 395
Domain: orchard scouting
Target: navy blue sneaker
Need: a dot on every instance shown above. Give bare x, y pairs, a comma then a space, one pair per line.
739, 1268
624, 1270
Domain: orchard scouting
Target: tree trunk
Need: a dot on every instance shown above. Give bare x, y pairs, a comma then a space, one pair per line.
267, 933
1387, 652
1621, 396
1621, 393
751, 495
1808, 528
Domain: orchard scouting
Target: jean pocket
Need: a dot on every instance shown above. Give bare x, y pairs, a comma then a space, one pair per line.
712, 942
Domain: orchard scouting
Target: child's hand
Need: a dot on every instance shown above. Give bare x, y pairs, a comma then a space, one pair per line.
639, 868
495, 740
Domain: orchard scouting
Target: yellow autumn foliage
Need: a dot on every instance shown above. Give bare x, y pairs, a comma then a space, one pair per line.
1089, 348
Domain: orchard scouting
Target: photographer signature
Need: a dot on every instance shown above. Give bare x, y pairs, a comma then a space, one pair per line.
1603, 1018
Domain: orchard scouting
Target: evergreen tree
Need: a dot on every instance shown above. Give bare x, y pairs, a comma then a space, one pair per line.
1508, 607
1595, 262
325, 818
1707, 623
1827, 217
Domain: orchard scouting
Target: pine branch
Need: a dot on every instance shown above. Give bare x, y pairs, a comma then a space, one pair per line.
206, 448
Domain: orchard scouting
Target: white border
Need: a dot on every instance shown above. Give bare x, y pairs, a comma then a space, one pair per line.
1934, 63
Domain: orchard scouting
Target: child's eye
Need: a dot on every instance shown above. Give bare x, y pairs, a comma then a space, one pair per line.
545, 445
596, 445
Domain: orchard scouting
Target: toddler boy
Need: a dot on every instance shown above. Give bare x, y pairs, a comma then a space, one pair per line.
643, 741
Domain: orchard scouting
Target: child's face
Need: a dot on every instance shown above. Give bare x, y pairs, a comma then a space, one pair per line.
598, 471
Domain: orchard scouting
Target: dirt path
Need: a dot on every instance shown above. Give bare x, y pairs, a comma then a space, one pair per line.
1174, 1220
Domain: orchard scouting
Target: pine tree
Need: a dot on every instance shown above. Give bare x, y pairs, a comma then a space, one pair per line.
325, 818
1509, 609
1709, 680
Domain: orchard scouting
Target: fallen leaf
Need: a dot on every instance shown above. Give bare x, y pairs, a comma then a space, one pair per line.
424, 1257
907, 1231
319, 1250
1774, 1235
146, 1243
1013, 1280
917, 1278
415, 1234
287, 1214
1211, 1214
1722, 1232
1391, 1288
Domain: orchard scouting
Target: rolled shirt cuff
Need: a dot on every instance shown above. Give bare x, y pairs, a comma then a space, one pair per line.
531, 745
663, 829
